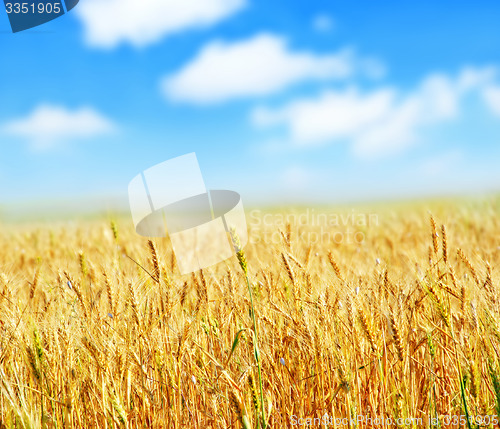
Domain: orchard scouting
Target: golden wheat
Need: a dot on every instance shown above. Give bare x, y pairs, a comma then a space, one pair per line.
98, 329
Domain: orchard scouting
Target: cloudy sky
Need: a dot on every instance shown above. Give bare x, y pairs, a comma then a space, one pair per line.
283, 101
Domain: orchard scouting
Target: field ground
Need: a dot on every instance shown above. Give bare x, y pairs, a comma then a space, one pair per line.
395, 316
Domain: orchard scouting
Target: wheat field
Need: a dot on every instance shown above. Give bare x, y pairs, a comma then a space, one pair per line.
402, 324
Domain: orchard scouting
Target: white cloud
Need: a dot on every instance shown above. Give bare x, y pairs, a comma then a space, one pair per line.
258, 66
382, 121
323, 23
474, 77
141, 22
48, 126
393, 133
331, 115
491, 96
435, 100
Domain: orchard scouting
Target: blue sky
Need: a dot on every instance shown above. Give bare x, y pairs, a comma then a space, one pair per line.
285, 102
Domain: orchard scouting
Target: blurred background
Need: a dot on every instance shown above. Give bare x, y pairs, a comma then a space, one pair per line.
288, 103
